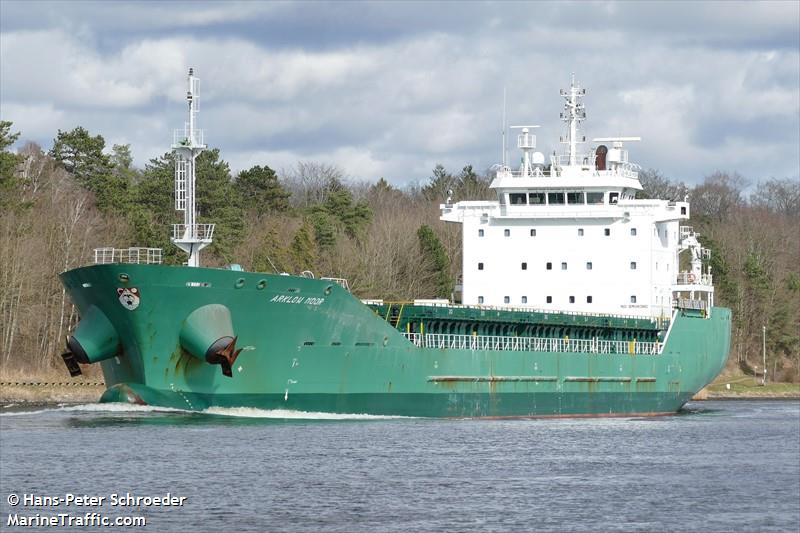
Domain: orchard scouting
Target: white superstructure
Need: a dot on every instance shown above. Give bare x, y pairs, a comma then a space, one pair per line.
569, 235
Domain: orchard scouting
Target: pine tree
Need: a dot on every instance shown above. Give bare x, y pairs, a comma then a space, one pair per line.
260, 191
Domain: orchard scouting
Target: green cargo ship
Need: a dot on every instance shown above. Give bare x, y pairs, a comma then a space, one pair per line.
193, 338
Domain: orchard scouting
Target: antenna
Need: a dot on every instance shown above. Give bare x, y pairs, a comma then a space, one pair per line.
187, 144
505, 153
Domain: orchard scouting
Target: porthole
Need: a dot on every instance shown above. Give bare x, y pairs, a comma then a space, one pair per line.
124, 278
261, 285
239, 283
328, 290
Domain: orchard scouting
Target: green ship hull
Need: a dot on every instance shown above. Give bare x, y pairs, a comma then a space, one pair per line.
310, 345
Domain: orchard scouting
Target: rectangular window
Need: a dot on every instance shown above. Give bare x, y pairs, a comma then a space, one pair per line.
607, 231
549, 299
536, 198
555, 198
524, 266
633, 232
524, 299
572, 299
588, 265
480, 233
633, 299
480, 299
506, 299
480, 266
683, 210
613, 197
588, 299
563, 266
575, 198
517, 198
580, 232
633, 265
507, 232
594, 198
533, 233
549, 266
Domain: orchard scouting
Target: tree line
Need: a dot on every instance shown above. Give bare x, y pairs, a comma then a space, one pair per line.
58, 204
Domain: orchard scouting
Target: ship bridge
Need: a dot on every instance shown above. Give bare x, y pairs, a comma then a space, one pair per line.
567, 232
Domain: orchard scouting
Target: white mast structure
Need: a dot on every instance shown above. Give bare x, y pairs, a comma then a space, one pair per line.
574, 113
187, 144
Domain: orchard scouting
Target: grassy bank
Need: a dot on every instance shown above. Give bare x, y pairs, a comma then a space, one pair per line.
748, 387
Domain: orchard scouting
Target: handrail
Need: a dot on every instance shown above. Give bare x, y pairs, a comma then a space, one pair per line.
532, 344
133, 255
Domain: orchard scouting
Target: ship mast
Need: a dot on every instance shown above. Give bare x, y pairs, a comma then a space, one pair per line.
190, 236
574, 113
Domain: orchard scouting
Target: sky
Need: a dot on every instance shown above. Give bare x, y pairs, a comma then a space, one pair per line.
390, 89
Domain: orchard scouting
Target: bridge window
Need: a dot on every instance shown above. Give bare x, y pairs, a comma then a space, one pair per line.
533, 233
555, 198
633, 265
506, 299
572, 299
588, 299
607, 231
517, 198
480, 266
580, 232
536, 198
588, 265
480, 233
633, 232
507, 232
549, 266
524, 266
524, 299
480, 299
575, 198
594, 198
549, 299
633, 299
563, 266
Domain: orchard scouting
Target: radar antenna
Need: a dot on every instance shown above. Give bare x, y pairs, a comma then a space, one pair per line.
527, 143
187, 144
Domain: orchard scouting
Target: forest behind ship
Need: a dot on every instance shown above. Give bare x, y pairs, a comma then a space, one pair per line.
59, 203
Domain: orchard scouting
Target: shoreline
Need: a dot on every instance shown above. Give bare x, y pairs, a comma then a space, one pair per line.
50, 392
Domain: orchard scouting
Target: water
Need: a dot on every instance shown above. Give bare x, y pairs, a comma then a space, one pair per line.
718, 466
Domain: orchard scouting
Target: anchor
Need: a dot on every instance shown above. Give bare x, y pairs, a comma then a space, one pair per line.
224, 353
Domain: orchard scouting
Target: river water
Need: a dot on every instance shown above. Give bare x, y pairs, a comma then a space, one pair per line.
717, 466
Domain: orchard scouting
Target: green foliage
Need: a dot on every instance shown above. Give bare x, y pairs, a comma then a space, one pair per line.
272, 255
8, 166
439, 185
82, 155
339, 214
218, 202
324, 228
260, 191
436, 260
302, 249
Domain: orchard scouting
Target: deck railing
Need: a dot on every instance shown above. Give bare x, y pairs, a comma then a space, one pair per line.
104, 256
532, 344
